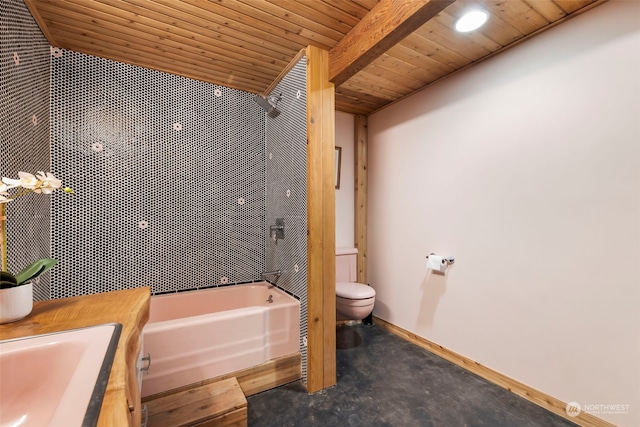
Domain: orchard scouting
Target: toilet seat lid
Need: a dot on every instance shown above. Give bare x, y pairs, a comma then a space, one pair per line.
351, 290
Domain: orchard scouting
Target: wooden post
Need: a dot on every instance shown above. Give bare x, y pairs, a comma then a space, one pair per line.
321, 295
360, 199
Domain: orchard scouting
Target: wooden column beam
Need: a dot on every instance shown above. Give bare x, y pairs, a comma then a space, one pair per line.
321, 241
384, 26
360, 199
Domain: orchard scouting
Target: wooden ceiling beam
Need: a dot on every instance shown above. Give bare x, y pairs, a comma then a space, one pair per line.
385, 25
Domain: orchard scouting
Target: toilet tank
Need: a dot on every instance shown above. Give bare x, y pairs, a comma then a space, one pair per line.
346, 264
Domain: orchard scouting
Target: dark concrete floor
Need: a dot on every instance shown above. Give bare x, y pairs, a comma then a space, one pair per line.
384, 380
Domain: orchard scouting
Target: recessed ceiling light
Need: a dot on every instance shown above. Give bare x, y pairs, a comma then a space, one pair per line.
471, 21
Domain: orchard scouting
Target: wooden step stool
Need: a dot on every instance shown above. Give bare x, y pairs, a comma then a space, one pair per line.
219, 404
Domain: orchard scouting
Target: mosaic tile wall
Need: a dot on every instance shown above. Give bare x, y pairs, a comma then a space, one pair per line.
169, 174
286, 152
174, 189
24, 133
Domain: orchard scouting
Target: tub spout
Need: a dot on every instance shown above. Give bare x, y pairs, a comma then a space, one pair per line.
276, 273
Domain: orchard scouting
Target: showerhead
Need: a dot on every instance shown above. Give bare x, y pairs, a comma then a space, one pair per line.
264, 103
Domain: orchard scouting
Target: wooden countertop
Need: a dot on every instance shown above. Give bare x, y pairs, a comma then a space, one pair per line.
129, 308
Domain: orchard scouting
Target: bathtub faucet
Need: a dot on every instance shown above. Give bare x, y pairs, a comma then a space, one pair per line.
276, 273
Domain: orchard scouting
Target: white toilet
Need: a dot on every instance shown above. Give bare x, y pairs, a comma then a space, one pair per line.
354, 301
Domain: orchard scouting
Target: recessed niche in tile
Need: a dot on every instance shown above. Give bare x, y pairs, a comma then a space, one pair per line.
97, 147
217, 93
177, 126
16, 58
56, 52
298, 94
143, 224
224, 280
241, 201
34, 120
288, 193
296, 268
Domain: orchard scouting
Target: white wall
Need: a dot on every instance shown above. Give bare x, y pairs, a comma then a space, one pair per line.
345, 233
526, 168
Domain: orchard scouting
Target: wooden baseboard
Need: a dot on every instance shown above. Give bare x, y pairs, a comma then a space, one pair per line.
549, 403
271, 374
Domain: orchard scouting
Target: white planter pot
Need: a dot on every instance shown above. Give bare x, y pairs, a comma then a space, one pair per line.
16, 303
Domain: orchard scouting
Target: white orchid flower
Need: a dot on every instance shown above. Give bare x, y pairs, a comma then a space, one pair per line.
42, 182
10, 183
28, 181
4, 193
49, 182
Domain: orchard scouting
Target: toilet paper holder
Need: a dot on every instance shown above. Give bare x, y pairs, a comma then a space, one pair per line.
449, 260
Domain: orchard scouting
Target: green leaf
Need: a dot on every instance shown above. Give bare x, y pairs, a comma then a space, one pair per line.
35, 269
4, 284
5, 276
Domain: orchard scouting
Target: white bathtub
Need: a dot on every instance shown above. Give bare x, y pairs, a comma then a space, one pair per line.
196, 335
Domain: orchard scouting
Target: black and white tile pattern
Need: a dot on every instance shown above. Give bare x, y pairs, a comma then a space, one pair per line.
169, 174
24, 133
286, 172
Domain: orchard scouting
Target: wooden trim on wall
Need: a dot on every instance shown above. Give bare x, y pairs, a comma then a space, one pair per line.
360, 197
40, 21
544, 400
321, 295
284, 72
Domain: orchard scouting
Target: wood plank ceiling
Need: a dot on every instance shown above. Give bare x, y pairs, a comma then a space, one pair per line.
246, 44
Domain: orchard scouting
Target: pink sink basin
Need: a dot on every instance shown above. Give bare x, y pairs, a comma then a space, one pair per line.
56, 379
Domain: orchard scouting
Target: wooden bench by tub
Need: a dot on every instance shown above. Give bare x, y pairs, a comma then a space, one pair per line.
219, 404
